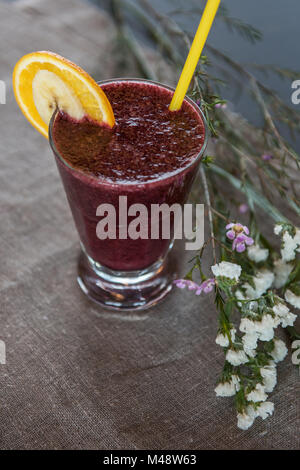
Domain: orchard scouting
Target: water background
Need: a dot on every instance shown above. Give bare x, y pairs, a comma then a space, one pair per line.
278, 20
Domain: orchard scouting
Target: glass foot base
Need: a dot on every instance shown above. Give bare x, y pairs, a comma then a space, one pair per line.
126, 290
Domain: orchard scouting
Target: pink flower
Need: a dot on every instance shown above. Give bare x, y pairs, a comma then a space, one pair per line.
180, 283
240, 242
206, 286
191, 285
231, 234
221, 105
236, 229
243, 208
238, 233
266, 157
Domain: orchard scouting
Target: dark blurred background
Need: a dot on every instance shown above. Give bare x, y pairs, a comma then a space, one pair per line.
278, 21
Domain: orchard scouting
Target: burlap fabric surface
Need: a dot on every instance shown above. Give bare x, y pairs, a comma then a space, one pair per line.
79, 377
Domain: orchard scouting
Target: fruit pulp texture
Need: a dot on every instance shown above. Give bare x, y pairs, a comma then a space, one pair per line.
149, 156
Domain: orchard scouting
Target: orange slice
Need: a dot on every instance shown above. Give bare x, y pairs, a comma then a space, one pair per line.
44, 81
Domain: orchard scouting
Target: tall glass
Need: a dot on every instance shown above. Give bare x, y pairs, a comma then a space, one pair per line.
124, 274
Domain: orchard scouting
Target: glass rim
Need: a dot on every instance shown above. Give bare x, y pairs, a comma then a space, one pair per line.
103, 180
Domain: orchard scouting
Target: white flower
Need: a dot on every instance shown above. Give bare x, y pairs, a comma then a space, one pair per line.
292, 298
250, 340
246, 419
277, 229
226, 269
225, 389
266, 326
257, 394
290, 245
250, 352
228, 389
265, 409
269, 376
264, 329
223, 341
239, 295
262, 281
282, 271
250, 343
236, 381
280, 350
287, 318
280, 309
236, 358
247, 325
257, 254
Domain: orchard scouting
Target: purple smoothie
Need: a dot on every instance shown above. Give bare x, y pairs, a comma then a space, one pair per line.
150, 156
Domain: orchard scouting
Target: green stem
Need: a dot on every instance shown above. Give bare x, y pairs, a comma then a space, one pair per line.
260, 200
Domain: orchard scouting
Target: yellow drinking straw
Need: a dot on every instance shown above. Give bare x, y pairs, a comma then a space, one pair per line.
194, 54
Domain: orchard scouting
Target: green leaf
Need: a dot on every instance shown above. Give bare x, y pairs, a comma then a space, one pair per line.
207, 160
294, 206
